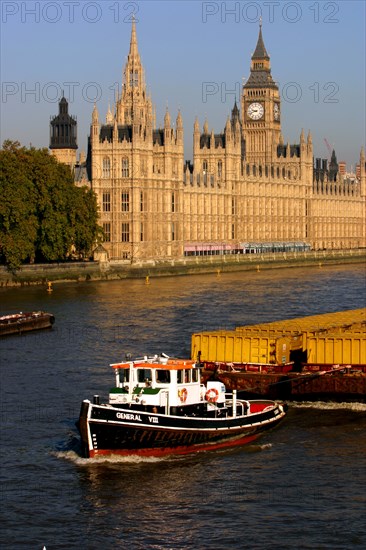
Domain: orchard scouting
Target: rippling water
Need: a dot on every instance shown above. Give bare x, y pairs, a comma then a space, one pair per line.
303, 485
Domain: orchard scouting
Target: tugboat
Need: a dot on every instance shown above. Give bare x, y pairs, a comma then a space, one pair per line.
160, 407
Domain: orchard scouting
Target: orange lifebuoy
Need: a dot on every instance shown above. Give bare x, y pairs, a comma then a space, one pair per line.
212, 395
182, 394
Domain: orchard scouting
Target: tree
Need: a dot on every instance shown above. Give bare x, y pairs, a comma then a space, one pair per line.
43, 215
85, 220
18, 220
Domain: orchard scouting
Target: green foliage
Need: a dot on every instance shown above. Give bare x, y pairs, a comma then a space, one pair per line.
43, 215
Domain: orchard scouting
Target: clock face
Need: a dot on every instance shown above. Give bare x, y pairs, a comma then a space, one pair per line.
255, 111
276, 111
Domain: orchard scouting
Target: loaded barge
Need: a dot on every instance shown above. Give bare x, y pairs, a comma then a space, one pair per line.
17, 323
322, 357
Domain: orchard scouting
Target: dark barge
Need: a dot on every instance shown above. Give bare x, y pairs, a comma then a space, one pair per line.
17, 323
340, 383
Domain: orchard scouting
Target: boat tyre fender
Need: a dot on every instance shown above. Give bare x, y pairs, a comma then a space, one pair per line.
212, 395
182, 394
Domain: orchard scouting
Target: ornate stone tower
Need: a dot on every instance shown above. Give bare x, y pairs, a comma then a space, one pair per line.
137, 172
261, 109
134, 107
63, 128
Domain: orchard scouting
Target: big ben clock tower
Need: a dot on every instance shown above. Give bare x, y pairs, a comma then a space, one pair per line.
261, 108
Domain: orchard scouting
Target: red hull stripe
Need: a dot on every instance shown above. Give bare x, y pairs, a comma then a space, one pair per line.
174, 450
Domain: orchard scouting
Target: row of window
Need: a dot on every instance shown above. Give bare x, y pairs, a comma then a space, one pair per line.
246, 248
160, 376
253, 170
125, 202
125, 168
125, 232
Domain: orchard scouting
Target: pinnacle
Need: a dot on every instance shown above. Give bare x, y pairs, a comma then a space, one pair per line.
133, 43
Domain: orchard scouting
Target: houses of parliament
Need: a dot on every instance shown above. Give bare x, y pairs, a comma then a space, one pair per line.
245, 191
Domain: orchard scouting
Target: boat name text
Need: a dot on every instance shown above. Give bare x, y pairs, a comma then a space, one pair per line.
129, 416
136, 417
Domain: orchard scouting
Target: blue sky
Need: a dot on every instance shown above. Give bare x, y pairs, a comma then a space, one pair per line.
188, 48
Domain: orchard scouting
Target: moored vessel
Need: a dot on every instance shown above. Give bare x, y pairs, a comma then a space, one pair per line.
159, 406
18, 323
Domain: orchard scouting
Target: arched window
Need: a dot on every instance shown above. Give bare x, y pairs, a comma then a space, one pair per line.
205, 165
106, 167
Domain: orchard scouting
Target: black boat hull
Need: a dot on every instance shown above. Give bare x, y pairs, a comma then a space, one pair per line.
109, 430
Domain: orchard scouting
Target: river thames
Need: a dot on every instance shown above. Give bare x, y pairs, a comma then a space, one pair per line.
302, 485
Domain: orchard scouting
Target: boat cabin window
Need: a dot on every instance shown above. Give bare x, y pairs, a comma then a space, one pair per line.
194, 375
144, 375
124, 376
184, 376
162, 376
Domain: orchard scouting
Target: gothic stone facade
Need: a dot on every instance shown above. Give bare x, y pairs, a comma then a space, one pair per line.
245, 185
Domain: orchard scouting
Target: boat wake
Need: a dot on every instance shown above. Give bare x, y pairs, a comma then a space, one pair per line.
71, 451
78, 460
324, 405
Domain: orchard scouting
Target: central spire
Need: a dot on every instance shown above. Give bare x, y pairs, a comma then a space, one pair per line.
133, 43
133, 106
133, 55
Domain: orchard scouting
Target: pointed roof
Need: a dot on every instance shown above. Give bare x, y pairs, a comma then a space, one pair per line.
95, 114
235, 111
167, 118
260, 50
333, 157
179, 121
260, 71
235, 115
133, 42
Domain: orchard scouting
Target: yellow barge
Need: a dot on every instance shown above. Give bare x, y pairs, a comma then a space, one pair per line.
320, 357
335, 338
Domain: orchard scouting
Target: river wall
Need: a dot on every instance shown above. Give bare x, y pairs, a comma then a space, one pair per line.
39, 274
